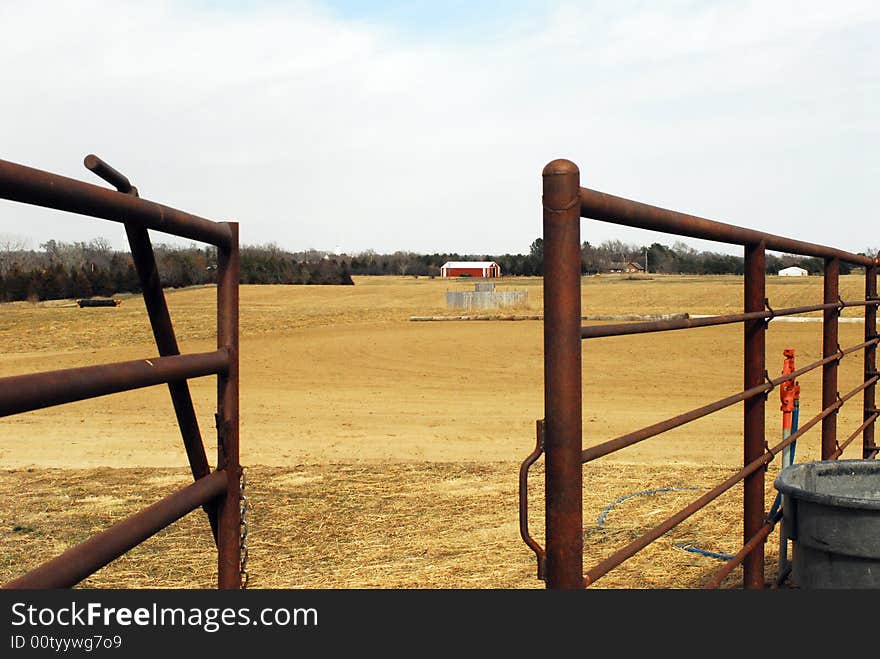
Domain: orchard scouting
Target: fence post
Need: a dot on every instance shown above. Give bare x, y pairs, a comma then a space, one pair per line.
228, 540
870, 402
830, 346
562, 375
754, 369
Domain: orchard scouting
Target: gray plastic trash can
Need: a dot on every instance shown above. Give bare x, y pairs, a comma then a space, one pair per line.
832, 515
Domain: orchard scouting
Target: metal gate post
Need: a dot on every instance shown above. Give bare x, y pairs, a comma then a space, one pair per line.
753, 417
830, 346
562, 375
228, 545
870, 401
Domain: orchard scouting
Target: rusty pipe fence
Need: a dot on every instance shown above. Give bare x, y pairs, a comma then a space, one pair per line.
217, 492
559, 434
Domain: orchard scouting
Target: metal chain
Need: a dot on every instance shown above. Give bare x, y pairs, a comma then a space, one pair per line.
243, 547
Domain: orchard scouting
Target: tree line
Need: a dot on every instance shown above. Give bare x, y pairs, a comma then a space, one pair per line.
87, 269
84, 269
680, 258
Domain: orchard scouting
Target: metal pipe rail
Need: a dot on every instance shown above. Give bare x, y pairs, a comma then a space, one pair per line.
218, 492
88, 557
620, 329
858, 431
665, 526
747, 549
564, 203
617, 210
647, 432
524, 499
23, 393
39, 188
770, 524
163, 331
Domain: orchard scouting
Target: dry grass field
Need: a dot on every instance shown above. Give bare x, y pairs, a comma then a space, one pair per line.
383, 452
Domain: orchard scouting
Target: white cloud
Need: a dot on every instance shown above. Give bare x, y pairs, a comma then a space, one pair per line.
313, 131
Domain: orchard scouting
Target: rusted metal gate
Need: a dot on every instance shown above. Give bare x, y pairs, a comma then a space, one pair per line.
217, 492
560, 432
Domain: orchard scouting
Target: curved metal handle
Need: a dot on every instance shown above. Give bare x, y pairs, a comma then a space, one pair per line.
540, 554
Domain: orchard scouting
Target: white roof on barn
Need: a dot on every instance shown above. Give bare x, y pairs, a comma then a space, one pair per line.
469, 264
793, 270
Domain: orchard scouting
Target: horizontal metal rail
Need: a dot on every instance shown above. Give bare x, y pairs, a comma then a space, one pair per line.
88, 557
864, 385
620, 329
23, 393
770, 524
617, 210
660, 427
637, 436
664, 527
747, 549
841, 447
34, 186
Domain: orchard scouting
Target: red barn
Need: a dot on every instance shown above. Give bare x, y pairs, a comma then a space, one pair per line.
470, 269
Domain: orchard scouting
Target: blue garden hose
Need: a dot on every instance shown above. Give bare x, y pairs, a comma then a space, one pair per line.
703, 552
600, 522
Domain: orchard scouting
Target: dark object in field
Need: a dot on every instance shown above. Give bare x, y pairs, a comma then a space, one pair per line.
99, 303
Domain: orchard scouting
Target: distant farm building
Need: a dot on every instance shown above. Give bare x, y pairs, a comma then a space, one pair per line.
484, 296
793, 271
625, 266
470, 269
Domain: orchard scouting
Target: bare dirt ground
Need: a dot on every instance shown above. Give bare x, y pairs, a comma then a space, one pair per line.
384, 453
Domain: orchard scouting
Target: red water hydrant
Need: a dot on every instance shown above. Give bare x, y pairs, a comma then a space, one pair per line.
789, 391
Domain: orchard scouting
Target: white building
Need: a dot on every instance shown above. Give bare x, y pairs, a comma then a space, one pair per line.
793, 271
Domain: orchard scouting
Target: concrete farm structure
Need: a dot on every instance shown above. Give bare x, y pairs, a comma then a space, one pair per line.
484, 296
470, 269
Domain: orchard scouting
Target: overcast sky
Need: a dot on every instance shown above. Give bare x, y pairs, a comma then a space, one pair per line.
349, 125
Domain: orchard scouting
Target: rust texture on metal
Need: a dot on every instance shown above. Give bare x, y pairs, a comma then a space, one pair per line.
621, 329
612, 445
756, 540
671, 522
756, 316
228, 536
869, 447
754, 370
617, 210
34, 186
562, 376
867, 423
23, 393
84, 559
870, 382
35, 391
769, 524
524, 500
830, 346
163, 330
114, 177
